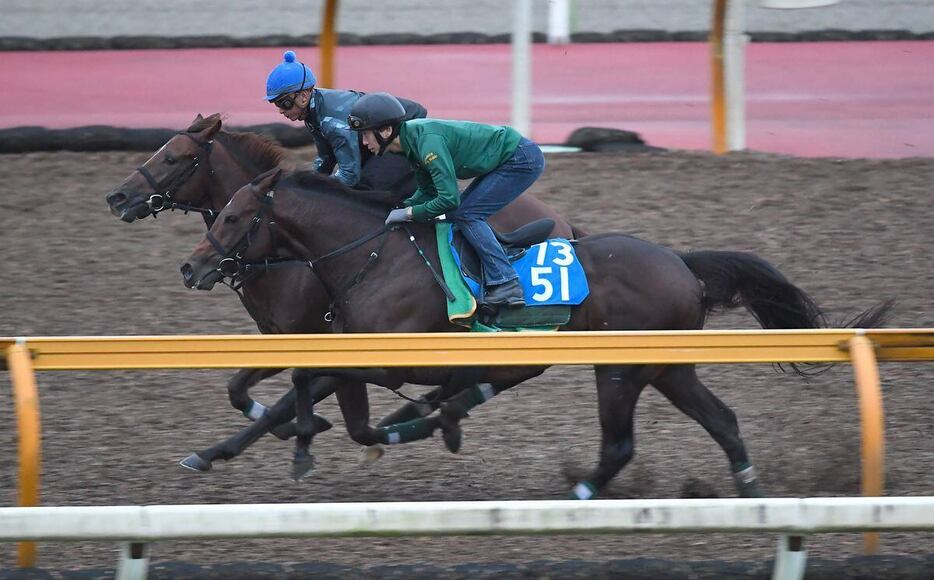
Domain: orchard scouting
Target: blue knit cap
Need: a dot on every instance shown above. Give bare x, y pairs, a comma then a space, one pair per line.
289, 76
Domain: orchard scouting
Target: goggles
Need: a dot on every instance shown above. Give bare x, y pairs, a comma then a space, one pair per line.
285, 102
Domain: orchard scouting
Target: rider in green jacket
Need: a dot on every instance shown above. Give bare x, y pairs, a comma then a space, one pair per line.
501, 162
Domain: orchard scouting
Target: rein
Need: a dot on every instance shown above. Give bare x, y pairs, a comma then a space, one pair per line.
161, 199
236, 272
233, 268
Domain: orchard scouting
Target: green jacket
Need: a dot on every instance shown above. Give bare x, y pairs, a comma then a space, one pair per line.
443, 152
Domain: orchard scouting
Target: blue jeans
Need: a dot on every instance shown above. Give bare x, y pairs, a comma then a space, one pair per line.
487, 195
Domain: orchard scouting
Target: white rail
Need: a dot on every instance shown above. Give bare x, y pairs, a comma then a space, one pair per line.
791, 517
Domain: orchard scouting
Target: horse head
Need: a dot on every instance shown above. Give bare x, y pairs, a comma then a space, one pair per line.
177, 173
236, 235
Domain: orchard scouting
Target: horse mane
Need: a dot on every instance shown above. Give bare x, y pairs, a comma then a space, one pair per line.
261, 152
309, 182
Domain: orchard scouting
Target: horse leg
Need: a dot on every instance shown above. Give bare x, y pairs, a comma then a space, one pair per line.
238, 391
679, 383
277, 416
410, 423
465, 395
309, 389
321, 390
461, 379
421, 407
413, 423
355, 407
282, 412
457, 407
618, 389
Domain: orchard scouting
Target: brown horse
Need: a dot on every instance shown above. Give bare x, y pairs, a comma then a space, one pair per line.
199, 170
634, 285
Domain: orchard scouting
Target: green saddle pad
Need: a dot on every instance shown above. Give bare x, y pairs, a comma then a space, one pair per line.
463, 309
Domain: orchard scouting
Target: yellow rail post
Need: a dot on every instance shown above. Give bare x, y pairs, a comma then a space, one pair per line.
327, 41
26, 399
866, 371
718, 79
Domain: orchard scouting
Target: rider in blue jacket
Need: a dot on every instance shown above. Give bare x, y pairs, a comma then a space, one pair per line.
291, 87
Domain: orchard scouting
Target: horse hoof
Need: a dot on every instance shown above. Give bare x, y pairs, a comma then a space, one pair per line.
750, 490
195, 463
372, 454
302, 468
450, 432
453, 437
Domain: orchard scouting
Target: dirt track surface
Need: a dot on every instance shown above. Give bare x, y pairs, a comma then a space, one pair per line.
850, 232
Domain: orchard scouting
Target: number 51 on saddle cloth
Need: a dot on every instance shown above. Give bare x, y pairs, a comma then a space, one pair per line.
551, 276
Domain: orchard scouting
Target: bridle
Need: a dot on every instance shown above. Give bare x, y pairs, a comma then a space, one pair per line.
236, 271
231, 264
161, 198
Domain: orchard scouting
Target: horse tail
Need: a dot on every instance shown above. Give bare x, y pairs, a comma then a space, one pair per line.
734, 279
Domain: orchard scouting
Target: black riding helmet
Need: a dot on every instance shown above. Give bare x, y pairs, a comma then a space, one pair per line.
375, 111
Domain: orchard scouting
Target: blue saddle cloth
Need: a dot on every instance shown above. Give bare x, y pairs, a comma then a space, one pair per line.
550, 274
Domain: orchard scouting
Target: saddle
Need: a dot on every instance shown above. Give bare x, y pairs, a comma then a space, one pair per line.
515, 243
551, 297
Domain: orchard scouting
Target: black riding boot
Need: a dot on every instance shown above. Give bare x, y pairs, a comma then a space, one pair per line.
507, 294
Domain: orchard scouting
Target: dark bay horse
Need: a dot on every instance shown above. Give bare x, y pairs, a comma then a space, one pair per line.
199, 170
634, 285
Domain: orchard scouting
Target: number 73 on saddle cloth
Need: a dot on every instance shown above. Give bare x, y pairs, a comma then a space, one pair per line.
551, 274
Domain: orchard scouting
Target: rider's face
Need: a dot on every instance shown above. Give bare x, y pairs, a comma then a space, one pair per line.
369, 138
369, 141
293, 106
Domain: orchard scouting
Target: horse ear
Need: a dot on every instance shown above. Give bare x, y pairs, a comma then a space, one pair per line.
198, 118
212, 129
266, 181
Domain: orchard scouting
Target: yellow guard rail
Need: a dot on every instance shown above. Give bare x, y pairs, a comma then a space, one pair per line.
861, 347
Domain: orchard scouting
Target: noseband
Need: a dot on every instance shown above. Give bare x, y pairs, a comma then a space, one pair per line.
162, 200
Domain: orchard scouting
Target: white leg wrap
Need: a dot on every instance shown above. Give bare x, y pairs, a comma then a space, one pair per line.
747, 475
256, 411
486, 389
582, 491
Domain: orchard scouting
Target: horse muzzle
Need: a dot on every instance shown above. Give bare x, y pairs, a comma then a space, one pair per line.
123, 206
192, 279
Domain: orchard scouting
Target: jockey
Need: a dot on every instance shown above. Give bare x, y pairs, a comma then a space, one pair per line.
501, 162
291, 88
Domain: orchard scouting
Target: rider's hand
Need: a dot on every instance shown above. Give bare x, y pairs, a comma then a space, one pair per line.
398, 216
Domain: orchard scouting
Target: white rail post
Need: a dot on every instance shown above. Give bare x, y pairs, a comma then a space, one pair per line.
134, 561
790, 558
522, 66
734, 49
559, 21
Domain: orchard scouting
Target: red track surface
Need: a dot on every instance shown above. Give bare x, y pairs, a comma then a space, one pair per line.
869, 99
